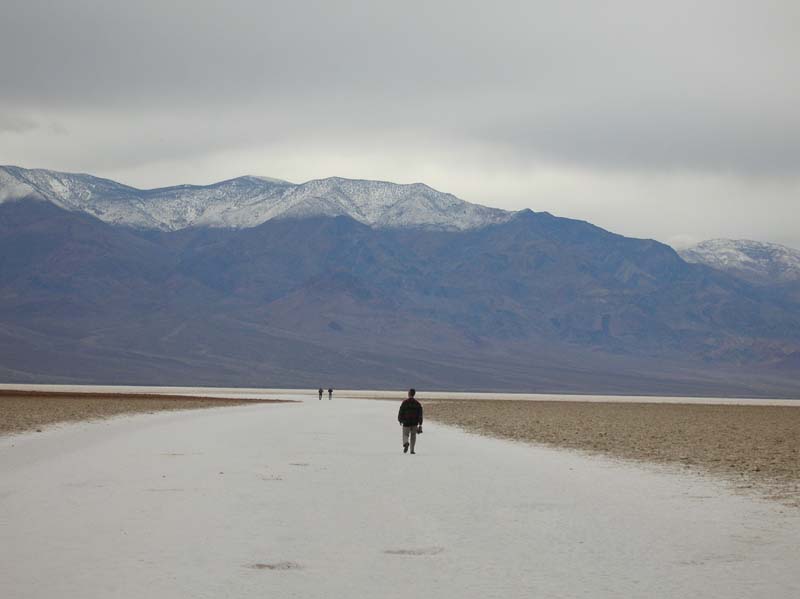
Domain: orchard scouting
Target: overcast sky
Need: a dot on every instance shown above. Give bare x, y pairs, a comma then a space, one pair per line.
675, 120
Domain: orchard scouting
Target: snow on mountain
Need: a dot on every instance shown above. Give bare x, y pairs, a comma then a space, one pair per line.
249, 201
755, 261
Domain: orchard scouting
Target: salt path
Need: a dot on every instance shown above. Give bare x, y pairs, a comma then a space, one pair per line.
316, 499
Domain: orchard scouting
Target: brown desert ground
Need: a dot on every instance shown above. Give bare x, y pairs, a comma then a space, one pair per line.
22, 411
753, 447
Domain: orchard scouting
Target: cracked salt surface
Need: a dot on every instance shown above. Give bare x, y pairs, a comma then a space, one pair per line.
466, 517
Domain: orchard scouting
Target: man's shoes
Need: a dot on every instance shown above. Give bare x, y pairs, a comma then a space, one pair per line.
412, 451
405, 448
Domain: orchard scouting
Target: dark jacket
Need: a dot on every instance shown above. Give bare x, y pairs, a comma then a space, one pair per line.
410, 413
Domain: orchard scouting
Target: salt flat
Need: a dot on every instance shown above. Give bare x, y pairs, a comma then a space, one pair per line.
316, 499
263, 393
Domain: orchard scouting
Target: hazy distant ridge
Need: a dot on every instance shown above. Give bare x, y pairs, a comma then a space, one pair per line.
755, 261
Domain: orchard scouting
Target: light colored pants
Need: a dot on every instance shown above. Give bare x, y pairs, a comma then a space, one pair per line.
412, 432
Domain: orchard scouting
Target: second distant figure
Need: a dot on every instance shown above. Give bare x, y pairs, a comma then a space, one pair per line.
320, 393
330, 393
410, 416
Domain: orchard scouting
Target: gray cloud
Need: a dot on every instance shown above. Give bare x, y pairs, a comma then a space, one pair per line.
480, 99
11, 123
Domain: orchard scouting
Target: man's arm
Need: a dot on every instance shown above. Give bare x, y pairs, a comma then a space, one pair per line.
420, 414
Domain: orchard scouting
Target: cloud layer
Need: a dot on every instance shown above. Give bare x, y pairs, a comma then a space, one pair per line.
669, 120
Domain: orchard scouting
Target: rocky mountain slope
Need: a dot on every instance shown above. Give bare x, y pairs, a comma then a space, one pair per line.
534, 302
248, 201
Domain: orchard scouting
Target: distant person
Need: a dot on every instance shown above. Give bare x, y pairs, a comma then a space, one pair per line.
330, 393
320, 393
410, 416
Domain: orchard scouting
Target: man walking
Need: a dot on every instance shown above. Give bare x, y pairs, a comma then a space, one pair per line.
410, 416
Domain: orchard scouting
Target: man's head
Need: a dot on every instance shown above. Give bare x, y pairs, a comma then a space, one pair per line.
412, 392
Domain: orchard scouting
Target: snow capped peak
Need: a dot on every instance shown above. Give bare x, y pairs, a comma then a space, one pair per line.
249, 201
392, 205
755, 261
266, 179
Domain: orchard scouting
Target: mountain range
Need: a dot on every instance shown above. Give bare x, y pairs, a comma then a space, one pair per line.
248, 202
365, 284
